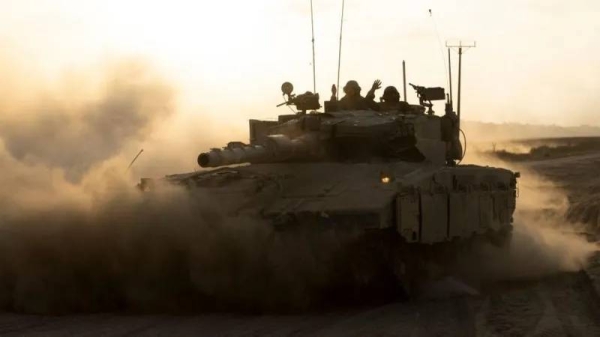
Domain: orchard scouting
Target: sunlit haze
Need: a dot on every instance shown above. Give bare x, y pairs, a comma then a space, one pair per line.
535, 61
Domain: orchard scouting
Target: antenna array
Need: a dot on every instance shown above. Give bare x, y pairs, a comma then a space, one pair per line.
312, 26
340, 50
459, 47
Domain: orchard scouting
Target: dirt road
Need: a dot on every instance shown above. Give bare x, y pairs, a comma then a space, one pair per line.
563, 305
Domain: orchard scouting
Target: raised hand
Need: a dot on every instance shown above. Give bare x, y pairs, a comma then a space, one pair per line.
376, 85
333, 93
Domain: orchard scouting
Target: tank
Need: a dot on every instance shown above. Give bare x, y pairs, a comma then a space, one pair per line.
388, 174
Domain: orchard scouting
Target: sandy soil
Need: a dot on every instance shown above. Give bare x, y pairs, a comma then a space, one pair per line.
563, 305
566, 304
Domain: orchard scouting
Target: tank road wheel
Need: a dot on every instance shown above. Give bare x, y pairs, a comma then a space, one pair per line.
427, 264
366, 271
500, 238
410, 275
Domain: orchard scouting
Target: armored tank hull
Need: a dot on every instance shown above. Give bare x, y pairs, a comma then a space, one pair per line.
405, 216
423, 204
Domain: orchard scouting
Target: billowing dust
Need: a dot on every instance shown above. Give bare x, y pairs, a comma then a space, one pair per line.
167, 252
543, 241
77, 236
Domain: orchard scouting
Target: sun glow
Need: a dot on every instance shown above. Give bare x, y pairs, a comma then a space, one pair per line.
230, 58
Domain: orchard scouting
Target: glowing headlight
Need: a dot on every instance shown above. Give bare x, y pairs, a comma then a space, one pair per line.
385, 179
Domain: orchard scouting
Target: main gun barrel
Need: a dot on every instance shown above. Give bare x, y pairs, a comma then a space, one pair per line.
232, 154
273, 148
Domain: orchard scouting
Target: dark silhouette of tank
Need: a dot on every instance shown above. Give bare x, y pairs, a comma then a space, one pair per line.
389, 172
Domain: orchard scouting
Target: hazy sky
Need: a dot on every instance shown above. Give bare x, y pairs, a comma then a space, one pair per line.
535, 61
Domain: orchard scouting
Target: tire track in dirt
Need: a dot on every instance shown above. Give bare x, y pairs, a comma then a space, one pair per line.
576, 304
561, 305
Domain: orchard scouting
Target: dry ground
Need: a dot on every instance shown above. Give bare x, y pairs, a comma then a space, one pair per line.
563, 305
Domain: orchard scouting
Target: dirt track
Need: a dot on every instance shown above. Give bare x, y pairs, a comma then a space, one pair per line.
566, 304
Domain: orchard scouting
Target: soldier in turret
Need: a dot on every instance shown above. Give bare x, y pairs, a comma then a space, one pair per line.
352, 99
390, 101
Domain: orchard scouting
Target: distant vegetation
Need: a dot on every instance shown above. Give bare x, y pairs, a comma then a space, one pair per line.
481, 132
547, 148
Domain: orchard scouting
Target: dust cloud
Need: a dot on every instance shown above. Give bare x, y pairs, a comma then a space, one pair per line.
543, 241
77, 236
166, 252
74, 134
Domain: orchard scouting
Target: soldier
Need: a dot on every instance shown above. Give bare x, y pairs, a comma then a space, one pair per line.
352, 99
390, 101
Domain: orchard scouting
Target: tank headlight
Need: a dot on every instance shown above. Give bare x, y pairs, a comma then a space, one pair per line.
385, 179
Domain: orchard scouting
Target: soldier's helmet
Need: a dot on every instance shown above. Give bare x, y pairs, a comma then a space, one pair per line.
391, 94
352, 85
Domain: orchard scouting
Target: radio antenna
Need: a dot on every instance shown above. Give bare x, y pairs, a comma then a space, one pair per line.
134, 159
437, 33
312, 27
340, 51
404, 78
450, 79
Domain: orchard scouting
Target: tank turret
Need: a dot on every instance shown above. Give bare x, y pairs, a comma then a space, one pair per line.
345, 136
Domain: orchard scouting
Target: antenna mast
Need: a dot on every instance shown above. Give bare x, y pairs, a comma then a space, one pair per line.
340, 51
404, 78
437, 33
312, 27
460, 47
450, 79
134, 159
